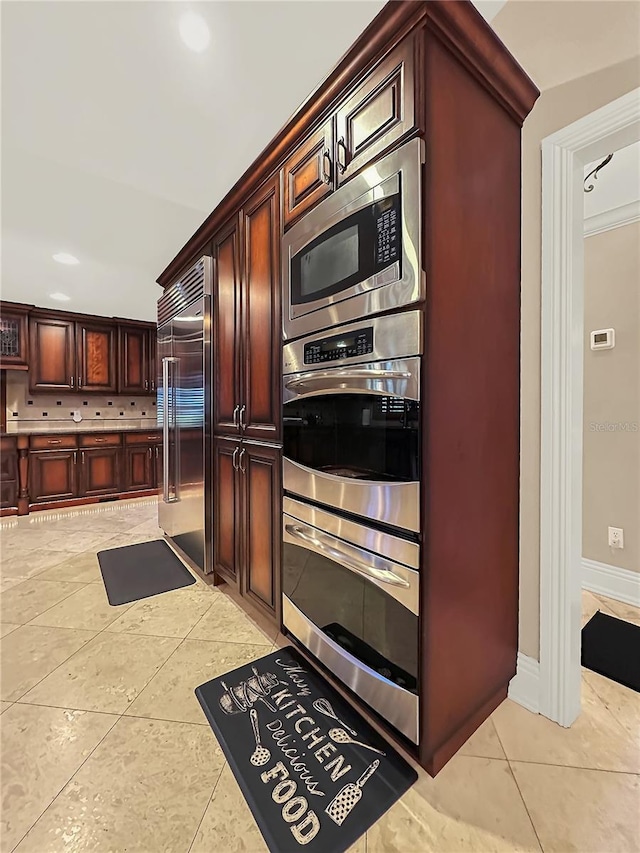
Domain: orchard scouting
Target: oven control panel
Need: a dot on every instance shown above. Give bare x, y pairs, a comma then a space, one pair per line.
336, 347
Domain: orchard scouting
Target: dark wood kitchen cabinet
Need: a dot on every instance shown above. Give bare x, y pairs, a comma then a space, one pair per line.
14, 336
139, 468
307, 176
247, 519
52, 475
8, 473
137, 367
96, 356
247, 322
133, 360
99, 471
52, 363
435, 71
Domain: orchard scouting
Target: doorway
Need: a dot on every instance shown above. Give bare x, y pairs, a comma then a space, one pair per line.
564, 155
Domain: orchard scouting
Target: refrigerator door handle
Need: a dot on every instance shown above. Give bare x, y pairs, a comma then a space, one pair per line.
168, 422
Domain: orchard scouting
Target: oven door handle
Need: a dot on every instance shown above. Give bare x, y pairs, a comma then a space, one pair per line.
381, 573
346, 373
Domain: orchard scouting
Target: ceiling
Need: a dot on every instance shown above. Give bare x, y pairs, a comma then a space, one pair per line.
118, 140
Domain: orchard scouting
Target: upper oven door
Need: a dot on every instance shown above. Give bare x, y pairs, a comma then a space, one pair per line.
352, 439
358, 252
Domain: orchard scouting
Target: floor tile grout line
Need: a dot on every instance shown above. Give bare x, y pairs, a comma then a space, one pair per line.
208, 803
118, 714
513, 776
574, 767
41, 815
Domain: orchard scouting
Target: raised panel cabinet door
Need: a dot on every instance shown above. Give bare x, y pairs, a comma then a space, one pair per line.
308, 174
53, 354
139, 464
52, 475
133, 360
96, 356
226, 508
261, 321
99, 471
226, 332
260, 473
153, 360
378, 114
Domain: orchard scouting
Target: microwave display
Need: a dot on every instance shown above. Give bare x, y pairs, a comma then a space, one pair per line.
355, 249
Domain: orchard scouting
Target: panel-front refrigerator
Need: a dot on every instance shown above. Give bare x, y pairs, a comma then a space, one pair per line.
184, 412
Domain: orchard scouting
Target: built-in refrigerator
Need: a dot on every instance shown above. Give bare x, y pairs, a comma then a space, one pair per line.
184, 407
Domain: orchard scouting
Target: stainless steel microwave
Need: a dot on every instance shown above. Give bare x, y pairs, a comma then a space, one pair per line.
358, 252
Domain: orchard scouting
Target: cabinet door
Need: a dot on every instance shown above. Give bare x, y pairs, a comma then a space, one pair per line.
226, 332
14, 339
308, 173
261, 321
53, 357
96, 356
260, 472
226, 508
52, 475
139, 465
379, 112
133, 361
99, 471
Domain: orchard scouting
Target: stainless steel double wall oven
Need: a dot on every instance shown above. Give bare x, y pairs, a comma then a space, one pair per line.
351, 423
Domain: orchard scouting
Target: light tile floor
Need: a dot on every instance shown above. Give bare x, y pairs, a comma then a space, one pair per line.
105, 748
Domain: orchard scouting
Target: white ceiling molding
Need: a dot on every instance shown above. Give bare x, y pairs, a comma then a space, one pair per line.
610, 219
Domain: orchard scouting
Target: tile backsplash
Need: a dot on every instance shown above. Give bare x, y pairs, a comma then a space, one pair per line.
28, 412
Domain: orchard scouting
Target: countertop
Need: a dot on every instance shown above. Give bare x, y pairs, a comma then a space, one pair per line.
66, 429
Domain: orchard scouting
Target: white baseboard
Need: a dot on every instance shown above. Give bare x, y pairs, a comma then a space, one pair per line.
524, 687
611, 581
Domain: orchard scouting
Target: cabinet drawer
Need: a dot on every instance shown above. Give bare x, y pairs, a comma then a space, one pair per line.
53, 442
143, 437
103, 440
378, 114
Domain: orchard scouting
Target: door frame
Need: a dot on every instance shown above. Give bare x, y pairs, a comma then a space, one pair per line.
564, 155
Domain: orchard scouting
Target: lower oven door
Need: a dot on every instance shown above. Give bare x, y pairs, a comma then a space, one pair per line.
355, 609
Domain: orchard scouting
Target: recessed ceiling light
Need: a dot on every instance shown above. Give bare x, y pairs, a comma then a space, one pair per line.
65, 258
59, 297
194, 32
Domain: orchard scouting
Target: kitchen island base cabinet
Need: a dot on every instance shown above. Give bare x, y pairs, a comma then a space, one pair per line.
247, 519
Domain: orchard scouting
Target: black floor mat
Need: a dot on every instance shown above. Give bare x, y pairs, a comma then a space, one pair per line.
284, 732
140, 571
611, 647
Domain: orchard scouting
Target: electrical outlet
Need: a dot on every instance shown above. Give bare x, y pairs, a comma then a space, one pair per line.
616, 537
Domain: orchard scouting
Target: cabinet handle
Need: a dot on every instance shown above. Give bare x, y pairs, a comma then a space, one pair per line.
157, 451
146, 384
99, 440
71, 381
326, 166
54, 441
342, 160
235, 415
75, 457
243, 426
79, 382
234, 460
149, 453
242, 452
82, 457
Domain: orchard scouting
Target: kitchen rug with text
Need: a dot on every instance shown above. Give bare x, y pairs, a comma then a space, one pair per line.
315, 774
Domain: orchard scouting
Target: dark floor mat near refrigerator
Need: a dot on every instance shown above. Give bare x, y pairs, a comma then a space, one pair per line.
140, 571
315, 774
611, 647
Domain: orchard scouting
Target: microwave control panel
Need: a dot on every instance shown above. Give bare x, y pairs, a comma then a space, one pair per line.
387, 214
356, 343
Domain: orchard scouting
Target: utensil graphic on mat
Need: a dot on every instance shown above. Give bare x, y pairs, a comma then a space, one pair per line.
340, 736
260, 754
325, 707
348, 798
